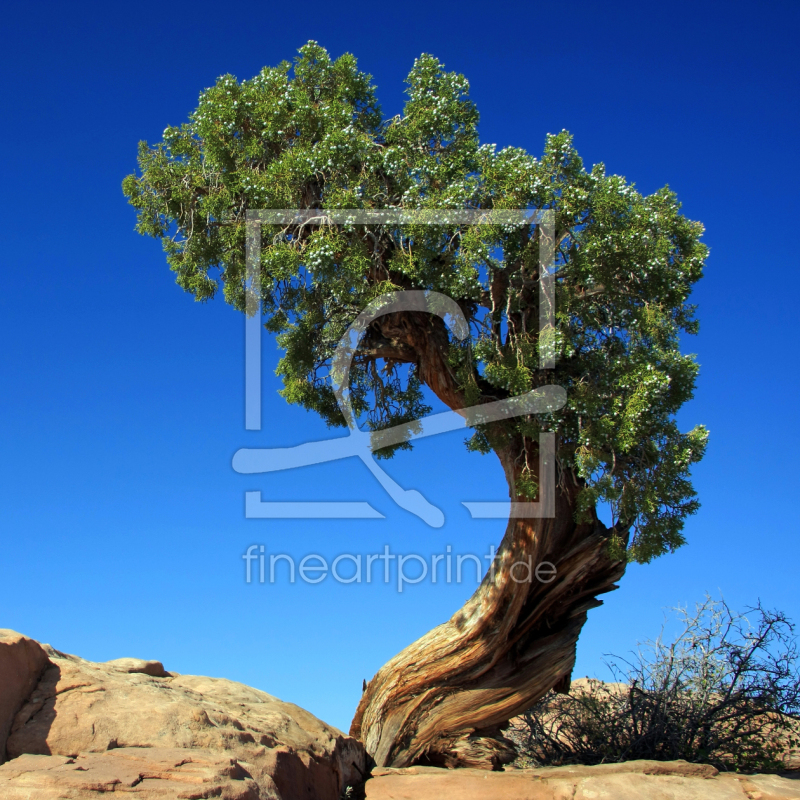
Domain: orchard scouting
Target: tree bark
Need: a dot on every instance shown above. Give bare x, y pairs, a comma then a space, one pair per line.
445, 699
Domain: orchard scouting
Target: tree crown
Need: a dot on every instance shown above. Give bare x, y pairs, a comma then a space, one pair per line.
312, 136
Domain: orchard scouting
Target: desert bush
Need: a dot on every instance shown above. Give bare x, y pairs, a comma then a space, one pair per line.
723, 692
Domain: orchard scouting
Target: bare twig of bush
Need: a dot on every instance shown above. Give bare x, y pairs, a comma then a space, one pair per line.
725, 692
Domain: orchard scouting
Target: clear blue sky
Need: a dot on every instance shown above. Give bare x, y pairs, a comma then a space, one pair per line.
121, 520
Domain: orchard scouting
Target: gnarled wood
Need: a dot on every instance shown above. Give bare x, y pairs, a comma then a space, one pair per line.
445, 698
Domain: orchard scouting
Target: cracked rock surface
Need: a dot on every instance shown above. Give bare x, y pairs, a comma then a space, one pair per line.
79, 729
631, 780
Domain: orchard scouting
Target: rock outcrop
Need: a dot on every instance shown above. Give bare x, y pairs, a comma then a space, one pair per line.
79, 729
632, 780
22, 661
72, 729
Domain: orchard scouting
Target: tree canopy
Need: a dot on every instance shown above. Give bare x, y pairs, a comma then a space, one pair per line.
311, 135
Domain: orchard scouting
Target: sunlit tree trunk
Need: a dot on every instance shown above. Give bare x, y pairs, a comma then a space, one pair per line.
445, 698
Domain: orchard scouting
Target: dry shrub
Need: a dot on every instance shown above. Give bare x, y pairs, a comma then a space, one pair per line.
724, 692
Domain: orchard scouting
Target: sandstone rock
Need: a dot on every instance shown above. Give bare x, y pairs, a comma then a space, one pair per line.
633, 780
128, 725
22, 661
153, 668
157, 773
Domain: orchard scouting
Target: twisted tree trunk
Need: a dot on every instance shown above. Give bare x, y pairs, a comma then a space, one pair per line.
445, 698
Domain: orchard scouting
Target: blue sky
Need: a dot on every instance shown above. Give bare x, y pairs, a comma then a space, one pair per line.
121, 520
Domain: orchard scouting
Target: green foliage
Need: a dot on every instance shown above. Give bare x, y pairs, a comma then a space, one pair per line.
311, 135
527, 486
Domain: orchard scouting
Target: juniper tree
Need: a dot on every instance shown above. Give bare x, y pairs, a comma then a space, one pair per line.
311, 135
